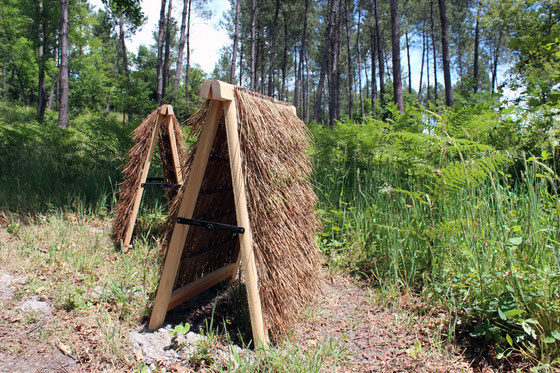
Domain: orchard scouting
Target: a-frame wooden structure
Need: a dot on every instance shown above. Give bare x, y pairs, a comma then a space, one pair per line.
164, 118
222, 104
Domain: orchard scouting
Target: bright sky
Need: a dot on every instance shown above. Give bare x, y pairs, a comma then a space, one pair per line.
206, 36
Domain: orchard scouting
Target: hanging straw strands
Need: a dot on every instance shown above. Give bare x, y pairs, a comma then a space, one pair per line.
137, 157
281, 202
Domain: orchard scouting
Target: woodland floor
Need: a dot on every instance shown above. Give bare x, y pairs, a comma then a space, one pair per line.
372, 335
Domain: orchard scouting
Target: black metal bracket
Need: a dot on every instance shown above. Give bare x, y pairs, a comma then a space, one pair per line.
155, 179
211, 226
160, 185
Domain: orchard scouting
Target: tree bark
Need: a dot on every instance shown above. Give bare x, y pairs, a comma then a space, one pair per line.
123, 45
434, 52
51, 94
63, 106
41, 89
235, 43
445, 53
379, 55
188, 61
167, 48
253, 52
476, 46
284, 58
395, 39
350, 67
159, 62
302, 56
272, 52
408, 61
422, 66
362, 111
373, 67
181, 51
333, 6
495, 63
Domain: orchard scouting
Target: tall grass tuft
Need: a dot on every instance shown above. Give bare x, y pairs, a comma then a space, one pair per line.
439, 214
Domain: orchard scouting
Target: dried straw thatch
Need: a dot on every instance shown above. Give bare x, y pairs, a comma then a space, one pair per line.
281, 202
137, 156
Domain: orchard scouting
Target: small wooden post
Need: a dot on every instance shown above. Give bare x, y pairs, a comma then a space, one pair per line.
173, 141
190, 195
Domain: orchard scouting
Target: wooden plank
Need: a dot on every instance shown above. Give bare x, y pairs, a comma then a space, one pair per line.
174, 153
217, 90
260, 335
188, 291
190, 195
140, 190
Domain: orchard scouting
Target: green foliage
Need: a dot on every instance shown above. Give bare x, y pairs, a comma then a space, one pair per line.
433, 209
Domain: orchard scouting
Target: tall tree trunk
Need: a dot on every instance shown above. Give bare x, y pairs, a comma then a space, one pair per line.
63, 106
427, 69
434, 51
334, 63
241, 65
41, 91
302, 59
159, 62
422, 66
476, 46
362, 111
408, 62
272, 52
167, 48
123, 45
51, 94
181, 51
495, 62
379, 55
235, 43
188, 61
350, 67
333, 6
445, 53
307, 89
396, 47
253, 41
284, 58
373, 67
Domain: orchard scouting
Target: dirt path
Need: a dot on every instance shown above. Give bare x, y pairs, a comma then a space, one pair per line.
377, 339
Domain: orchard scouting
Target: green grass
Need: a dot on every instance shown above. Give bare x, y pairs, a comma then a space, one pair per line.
479, 242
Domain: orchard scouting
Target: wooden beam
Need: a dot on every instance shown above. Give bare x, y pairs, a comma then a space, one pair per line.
188, 291
217, 90
186, 208
134, 213
174, 153
260, 335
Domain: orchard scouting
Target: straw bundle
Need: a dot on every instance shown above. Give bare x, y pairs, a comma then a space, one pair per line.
280, 203
132, 170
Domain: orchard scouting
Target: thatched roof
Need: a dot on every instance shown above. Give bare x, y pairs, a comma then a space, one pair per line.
281, 202
132, 170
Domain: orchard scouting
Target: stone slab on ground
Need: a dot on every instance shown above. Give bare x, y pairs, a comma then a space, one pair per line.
36, 305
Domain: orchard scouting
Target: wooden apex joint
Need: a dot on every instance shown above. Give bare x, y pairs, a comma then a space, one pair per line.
217, 90
165, 110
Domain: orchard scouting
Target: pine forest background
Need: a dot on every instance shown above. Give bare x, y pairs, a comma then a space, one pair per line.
433, 185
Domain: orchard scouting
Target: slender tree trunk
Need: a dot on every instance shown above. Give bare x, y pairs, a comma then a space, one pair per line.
159, 62
235, 42
272, 52
422, 66
284, 58
167, 48
395, 39
188, 61
41, 91
373, 67
350, 67
333, 6
408, 62
307, 89
181, 51
241, 65
362, 111
123, 45
476, 46
427, 69
379, 55
445, 53
51, 94
253, 52
495, 63
63, 106
434, 52
302, 57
